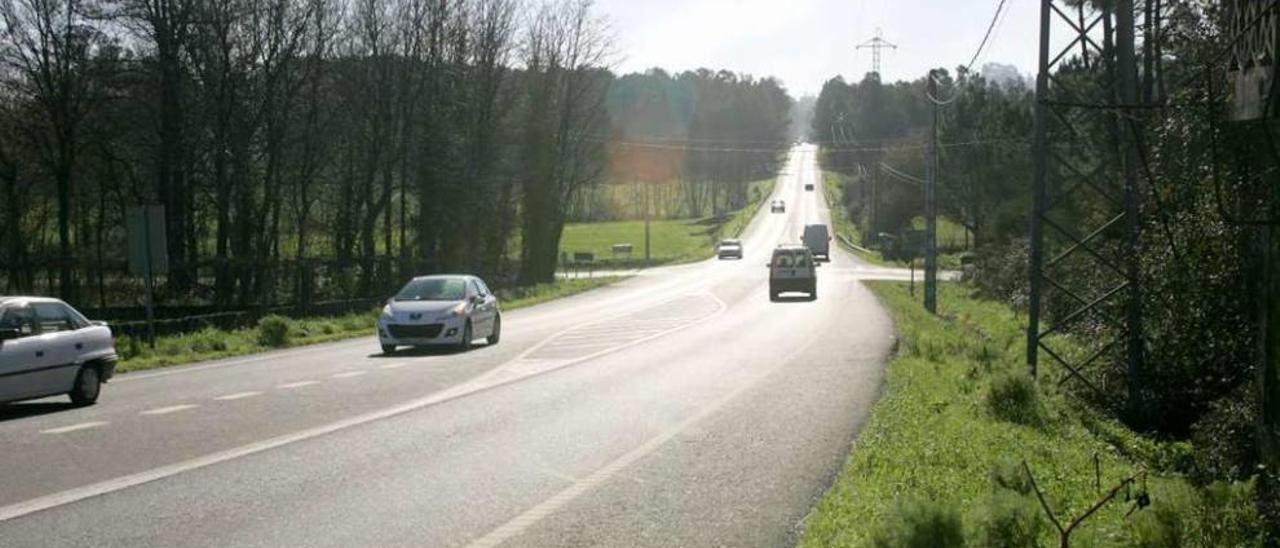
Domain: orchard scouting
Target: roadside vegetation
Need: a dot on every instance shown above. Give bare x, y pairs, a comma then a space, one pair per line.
940, 461
275, 332
952, 240
671, 240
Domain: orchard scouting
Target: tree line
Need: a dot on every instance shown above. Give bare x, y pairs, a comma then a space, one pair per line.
1207, 202
338, 145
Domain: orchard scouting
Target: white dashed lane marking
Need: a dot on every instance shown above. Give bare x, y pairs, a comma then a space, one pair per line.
298, 384
349, 374
394, 365
238, 396
74, 427
170, 409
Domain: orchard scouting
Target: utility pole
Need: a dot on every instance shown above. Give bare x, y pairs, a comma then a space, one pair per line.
875, 45
648, 212
931, 203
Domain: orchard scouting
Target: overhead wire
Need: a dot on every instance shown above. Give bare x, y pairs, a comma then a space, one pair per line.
986, 38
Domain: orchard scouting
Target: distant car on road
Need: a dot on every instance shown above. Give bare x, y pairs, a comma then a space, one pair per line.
792, 269
808, 187
729, 249
49, 348
778, 206
818, 240
449, 310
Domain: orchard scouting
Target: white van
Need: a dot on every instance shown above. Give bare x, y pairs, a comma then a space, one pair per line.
818, 240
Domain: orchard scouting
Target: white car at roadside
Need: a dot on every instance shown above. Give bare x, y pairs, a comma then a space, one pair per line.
48, 348
452, 310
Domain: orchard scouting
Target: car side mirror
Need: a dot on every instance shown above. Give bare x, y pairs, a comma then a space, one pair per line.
9, 333
477, 299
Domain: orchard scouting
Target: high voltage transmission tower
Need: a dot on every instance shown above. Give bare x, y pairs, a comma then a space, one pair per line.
1086, 217
875, 45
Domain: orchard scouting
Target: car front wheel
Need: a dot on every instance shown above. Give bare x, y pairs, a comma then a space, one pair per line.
497, 330
87, 387
388, 349
465, 343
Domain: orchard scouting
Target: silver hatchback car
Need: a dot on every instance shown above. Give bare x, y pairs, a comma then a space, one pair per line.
49, 348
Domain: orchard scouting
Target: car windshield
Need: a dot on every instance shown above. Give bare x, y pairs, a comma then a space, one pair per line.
434, 289
730, 243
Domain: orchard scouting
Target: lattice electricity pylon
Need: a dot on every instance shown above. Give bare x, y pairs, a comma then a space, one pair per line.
1084, 269
1252, 61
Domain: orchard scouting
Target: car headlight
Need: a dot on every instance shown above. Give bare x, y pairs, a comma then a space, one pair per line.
454, 312
386, 311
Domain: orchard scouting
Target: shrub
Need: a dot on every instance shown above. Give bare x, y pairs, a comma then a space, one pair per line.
1013, 398
1008, 474
273, 331
920, 524
1223, 514
1008, 520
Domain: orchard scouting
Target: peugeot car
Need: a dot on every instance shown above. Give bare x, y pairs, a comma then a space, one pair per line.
452, 310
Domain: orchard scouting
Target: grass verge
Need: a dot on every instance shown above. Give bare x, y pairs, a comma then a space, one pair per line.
939, 461
211, 344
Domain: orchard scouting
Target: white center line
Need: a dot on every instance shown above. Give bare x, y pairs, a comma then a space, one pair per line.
238, 396
349, 374
74, 427
170, 409
298, 384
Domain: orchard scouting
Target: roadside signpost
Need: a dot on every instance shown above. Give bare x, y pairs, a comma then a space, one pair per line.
148, 254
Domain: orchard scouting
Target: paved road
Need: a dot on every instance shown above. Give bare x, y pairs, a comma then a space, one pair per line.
679, 407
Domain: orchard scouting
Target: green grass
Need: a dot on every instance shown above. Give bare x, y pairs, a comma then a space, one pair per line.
934, 439
671, 241
211, 344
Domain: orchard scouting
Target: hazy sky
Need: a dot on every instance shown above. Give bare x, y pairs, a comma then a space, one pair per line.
805, 42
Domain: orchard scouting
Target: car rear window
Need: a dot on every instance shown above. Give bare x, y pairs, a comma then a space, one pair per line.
434, 289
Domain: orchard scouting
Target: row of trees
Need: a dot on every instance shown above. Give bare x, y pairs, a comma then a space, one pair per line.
277, 130
353, 140
698, 135
1207, 188
869, 130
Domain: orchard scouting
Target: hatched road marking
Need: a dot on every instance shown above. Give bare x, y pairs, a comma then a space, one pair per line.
238, 396
170, 409
74, 427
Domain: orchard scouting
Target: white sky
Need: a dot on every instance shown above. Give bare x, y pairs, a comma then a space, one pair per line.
805, 42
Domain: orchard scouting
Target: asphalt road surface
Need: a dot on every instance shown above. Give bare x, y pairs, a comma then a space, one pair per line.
678, 408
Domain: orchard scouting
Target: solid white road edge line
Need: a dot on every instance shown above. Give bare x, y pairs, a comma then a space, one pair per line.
532, 516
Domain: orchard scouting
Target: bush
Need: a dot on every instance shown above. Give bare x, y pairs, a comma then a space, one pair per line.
1009, 475
920, 524
1223, 514
1225, 440
1013, 398
273, 331
1008, 520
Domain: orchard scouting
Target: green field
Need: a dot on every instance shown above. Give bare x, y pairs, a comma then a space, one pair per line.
212, 344
941, 457
671, 241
